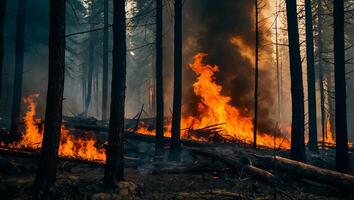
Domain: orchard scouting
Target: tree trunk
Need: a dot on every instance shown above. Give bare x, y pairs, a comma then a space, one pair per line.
20, 44
311, 80
320, 65
277, 62
159, 81
2, 20
255, 124
297, 127
114, 170
91, 62
105, 63
342, 157
53, 117
177, 90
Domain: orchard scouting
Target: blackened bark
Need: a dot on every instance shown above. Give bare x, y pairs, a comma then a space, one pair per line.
114, 169
20, 44
159, 81
105, 63
177, 90
311, 82
297, 127
342, 157
255, 123
2, 19
320, 65
53, 117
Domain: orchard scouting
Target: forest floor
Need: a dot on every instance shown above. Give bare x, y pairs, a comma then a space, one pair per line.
149, 178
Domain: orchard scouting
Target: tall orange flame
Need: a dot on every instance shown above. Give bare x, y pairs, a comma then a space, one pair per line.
215, 108
83, 148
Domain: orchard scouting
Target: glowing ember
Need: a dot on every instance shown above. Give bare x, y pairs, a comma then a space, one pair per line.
83, 148
214, 108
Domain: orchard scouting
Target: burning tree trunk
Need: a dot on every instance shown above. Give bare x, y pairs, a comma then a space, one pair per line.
256, 80
2, 19
105, 63
177, 90
114, 170
20, 43
159, 80
311, 82
53, 117
342, 157
297, 127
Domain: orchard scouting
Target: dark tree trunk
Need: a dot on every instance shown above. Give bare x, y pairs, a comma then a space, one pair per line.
297, 127
320, 65
342, 157
114, 170
277, 62
105, 63
255, 123
91, 62
159, 81
2, 19
177, 90
53, 117
311, 80
20, 44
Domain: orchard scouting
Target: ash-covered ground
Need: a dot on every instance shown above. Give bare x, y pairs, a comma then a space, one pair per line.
149, 177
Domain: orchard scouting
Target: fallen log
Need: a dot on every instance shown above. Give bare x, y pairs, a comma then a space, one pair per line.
245, 165
325, 176
136, 136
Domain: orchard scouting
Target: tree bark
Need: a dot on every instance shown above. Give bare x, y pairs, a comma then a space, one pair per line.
159, 81
255, 123
2, 20
20, 44
53, 117
114, 170
91, 61
303, 170
297, 127
342, 157
320, 65
177, 90
311, 80
105, 63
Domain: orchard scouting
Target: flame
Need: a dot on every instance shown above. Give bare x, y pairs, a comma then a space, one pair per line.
83, 148
216, 109
329, 135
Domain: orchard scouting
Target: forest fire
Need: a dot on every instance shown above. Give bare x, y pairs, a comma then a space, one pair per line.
215, 109
83, 148
329, 139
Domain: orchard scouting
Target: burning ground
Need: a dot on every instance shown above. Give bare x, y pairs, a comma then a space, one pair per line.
149, 177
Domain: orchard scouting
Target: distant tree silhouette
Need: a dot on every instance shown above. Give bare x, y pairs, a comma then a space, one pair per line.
159, 80
20, 45
311, 79
2, 19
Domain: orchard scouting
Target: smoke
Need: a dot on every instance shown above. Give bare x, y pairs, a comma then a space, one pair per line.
211, 27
